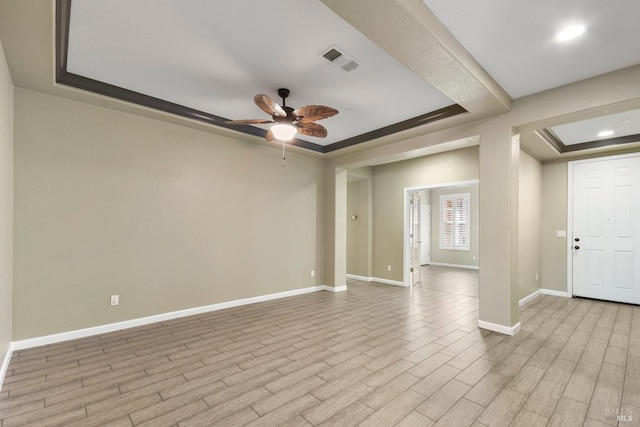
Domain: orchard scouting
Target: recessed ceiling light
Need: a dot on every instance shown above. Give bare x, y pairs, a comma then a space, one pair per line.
605, 133
570, 32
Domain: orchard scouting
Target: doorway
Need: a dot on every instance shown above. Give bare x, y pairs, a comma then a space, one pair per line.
604, 218
409, 251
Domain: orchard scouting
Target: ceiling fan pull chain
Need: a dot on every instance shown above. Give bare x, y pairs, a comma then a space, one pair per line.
283, 158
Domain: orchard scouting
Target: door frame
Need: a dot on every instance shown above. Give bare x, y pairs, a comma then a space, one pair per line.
425, 227
569, 237
414, 240
406, 248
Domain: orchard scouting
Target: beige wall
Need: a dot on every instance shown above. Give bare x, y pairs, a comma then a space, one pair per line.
359, 230
444, 256
32, 48
6, 205
529, 211
498, 165
165, 216
389, 182
554, 218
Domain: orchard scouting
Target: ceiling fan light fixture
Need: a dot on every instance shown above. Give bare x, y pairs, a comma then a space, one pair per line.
283, 132
285, 117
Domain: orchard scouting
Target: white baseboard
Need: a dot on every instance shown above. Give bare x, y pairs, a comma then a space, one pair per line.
112, 327
387, 281
556, 293
5, 364
443, 264
333, 288
528, 298
375, 279
361, 278
507, 330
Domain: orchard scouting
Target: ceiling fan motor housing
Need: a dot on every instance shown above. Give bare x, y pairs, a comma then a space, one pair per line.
283, 93
290, 118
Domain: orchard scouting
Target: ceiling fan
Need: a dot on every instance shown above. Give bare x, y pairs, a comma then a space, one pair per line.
288, 121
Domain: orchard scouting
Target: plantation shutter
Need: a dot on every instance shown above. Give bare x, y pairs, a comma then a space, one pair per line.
454, 221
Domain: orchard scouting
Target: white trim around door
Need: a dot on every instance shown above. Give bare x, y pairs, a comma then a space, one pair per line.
406, 251
571, 219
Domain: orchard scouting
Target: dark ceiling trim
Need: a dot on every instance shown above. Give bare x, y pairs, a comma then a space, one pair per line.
451, 110
603, 143
63, 16
63, 22
550, 136
553, 139
101, 88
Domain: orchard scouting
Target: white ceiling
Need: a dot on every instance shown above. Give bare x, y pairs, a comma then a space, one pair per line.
621, 124
215, 56
416, 56
515, 40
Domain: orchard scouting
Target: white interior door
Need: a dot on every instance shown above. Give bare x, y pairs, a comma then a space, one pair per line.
606, 229
425, 234
414, 238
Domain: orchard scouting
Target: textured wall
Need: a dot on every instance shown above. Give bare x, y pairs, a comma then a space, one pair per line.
6, 204
389, 182
358, 230
529, 210
165, 216
554, 218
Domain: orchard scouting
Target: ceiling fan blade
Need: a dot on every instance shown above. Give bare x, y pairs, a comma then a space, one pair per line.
269, 106
314, 112
248, 121
311, 129
270, 136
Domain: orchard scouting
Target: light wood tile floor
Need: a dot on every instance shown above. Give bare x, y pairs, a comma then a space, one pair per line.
376, 355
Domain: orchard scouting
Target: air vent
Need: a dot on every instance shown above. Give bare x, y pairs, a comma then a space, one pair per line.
340, 58
332, 55
350, 66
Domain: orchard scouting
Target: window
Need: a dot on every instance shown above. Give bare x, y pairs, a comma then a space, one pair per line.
454, 222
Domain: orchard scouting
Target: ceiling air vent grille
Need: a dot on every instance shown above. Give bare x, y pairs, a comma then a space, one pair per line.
332, 54
340, 58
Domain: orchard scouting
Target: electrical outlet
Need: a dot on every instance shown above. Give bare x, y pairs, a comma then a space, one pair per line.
313, 273
388, 267
115, 299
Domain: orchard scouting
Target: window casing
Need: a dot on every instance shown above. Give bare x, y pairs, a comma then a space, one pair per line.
455, 221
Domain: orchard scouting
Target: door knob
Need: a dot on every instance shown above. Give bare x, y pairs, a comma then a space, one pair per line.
576, 239
576, 247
